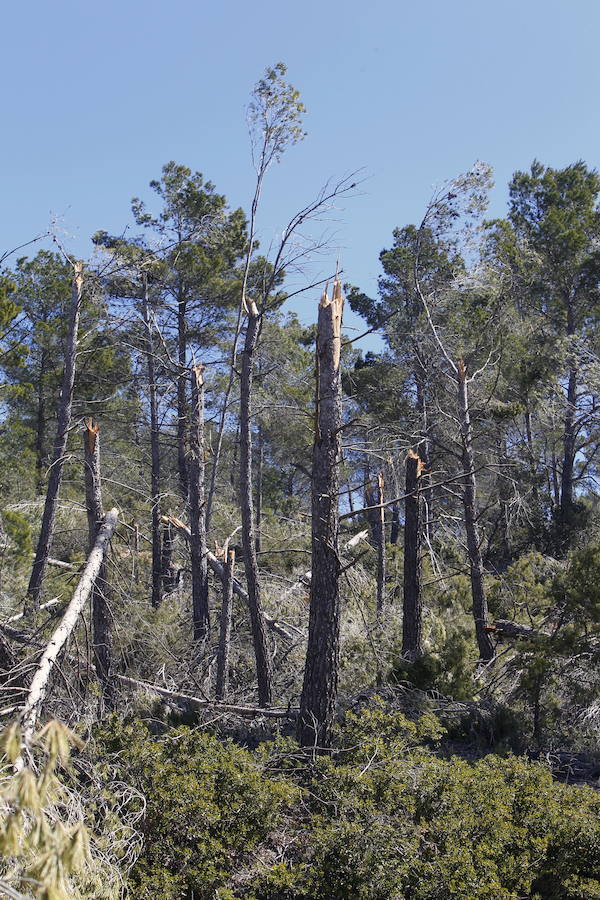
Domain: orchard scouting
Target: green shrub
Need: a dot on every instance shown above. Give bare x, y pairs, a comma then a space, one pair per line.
382, 818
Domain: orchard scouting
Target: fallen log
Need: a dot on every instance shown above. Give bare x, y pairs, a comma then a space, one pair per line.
196, 702
283, 629
503, 628
47, 605
39, 684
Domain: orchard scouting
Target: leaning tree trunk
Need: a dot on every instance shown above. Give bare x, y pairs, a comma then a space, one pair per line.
480, 610
101, 614
198, 548
39, 683
34, 590
263, 662
225, 629
319, 690
154, 451
412, 604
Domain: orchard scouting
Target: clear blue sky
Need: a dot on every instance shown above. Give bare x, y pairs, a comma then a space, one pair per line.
96, 97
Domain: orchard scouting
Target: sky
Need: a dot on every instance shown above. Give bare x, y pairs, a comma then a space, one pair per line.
97, 97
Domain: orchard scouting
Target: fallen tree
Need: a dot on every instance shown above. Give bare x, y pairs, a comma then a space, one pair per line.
198, 703
39, 683
283, 629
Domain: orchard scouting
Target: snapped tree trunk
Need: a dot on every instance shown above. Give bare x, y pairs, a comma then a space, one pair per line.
480, 610
101, 614
319, 690
198, 549
225, 629
39, 683
154, 450
263, 661
412, 602
34, 590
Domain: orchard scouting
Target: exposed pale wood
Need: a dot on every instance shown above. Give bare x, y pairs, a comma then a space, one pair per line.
39, 683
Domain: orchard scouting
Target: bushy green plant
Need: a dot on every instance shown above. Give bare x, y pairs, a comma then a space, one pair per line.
382, 818
208, 807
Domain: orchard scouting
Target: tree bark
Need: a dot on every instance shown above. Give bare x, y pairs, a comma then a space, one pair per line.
380, 546
225, 629
319, 690
198, 548
263, 661
395, 529
101, 615
412, 604
154, 451
259, 486
169, 574
568, 461
480, 610
182, 413
34, 590
40, 430
39, 683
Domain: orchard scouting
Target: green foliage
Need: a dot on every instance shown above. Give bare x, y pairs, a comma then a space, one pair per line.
274, 116
19, 532
383, 818
208, 806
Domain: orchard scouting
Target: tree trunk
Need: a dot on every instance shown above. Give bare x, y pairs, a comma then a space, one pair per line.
425, 452
259, 486
380, 546
182, 412
319, 690
568, 462
225, 629
168, 572
263, 662
39, 683
40, 430
155, 452
198, 548
101, 615
412, 606
283, 629
34, 590
395, 529
480, 610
